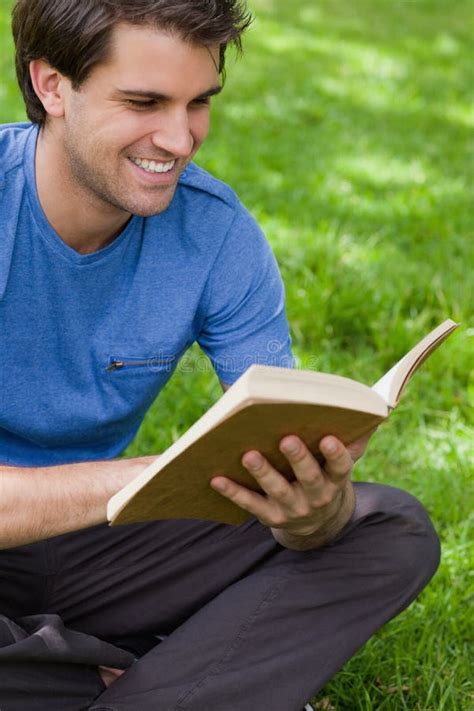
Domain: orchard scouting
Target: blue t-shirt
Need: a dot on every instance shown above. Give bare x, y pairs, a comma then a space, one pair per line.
88, 341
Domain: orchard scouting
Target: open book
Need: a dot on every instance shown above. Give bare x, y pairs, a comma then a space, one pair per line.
259, 409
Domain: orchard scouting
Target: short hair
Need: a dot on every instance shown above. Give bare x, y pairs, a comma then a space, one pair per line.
74, 36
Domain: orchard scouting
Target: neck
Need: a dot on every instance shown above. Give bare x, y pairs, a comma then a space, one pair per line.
81, 220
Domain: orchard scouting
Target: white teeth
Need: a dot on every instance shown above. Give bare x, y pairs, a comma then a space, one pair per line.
152, 166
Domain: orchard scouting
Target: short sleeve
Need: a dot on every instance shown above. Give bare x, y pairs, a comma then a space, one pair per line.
244, 304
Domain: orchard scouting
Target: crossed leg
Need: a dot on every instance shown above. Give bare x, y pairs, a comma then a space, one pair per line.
248, 624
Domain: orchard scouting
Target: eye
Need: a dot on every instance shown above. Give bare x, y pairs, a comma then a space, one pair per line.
202, 102
141, 105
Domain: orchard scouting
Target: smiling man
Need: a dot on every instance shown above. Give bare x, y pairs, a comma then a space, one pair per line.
116, 254
106, 154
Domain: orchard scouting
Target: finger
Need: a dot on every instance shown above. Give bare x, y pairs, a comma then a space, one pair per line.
269, 479
248, 500
357, 448
304, 464
339, 463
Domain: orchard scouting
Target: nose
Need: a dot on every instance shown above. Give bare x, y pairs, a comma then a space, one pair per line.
173, 135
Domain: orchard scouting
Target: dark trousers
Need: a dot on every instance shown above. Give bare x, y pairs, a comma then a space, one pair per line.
248, 625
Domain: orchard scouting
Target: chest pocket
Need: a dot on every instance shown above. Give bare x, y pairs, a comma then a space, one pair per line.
130, 381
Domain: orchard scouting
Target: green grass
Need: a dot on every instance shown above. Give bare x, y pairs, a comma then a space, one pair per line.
347, 130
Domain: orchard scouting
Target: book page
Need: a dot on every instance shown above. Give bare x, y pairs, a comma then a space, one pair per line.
392, 384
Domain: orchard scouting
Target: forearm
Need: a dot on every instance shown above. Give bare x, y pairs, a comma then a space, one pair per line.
43, 502
337, 518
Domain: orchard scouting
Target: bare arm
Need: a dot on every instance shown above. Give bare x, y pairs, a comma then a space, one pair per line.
43, 502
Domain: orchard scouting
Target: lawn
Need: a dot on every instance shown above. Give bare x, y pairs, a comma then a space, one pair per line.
347, 131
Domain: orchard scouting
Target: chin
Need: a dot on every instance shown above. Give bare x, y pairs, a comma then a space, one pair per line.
148, 212
135, 207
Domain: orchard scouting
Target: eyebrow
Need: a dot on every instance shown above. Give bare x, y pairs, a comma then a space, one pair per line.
156, 96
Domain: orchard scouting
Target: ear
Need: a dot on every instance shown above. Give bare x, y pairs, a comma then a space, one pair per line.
49, 86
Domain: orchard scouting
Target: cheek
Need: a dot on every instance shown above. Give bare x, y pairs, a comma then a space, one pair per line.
112, 133
199, 126
117, 136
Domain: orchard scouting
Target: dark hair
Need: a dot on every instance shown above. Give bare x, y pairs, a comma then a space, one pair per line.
74, 36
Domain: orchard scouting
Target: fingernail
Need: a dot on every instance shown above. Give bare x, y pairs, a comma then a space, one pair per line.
254, 462
219, 485
330, 446
291, 448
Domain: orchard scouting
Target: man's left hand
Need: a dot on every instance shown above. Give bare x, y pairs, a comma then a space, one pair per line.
315, 506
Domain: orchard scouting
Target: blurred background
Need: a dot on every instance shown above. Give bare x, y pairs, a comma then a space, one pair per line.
347, 130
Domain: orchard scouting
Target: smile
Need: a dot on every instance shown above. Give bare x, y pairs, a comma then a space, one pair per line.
153, 166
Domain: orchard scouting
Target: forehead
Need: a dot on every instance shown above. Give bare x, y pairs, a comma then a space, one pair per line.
146, 53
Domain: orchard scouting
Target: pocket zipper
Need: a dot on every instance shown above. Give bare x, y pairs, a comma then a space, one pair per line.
153, 362
119, 364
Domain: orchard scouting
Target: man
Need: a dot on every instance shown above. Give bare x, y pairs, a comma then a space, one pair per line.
116, 254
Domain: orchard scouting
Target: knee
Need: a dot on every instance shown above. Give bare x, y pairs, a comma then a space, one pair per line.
411, 544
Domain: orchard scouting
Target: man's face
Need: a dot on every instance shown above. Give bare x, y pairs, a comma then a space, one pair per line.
138, 120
